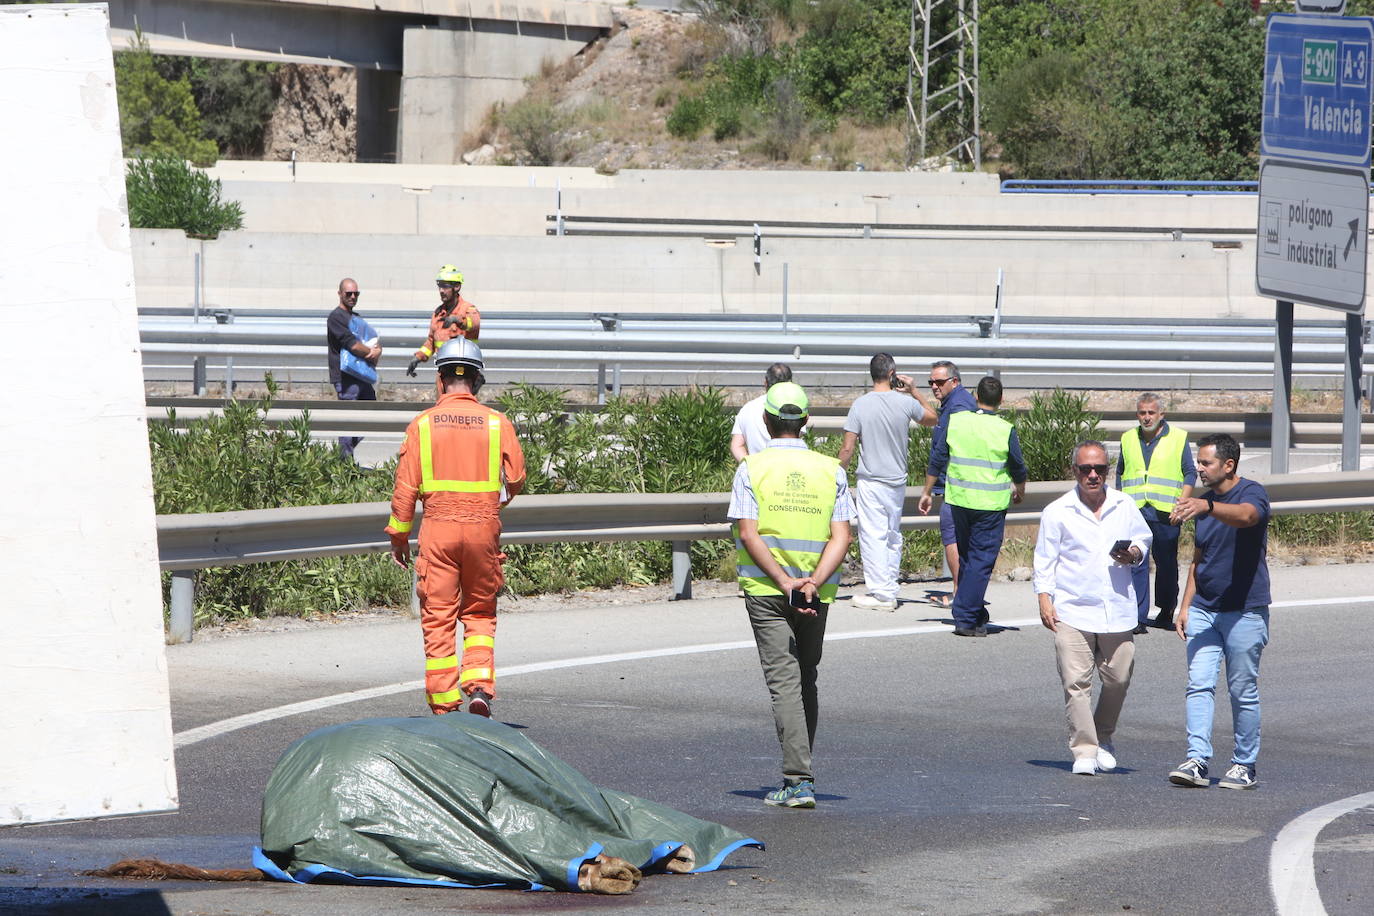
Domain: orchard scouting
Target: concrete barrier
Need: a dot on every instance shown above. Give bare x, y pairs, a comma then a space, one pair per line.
420, 200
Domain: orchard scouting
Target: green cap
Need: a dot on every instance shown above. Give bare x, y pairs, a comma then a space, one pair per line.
786, 400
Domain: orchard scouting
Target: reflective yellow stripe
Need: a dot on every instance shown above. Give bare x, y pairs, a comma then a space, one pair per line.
426, 350
398, 525
470, 641
448, 696
438, 664
474, 674
428, 483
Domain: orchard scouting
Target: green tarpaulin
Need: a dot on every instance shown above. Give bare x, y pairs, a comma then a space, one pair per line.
462, 801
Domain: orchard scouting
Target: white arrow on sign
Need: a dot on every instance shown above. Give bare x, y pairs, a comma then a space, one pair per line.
1277, 83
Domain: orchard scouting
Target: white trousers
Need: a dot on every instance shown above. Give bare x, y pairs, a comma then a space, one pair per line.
880, 537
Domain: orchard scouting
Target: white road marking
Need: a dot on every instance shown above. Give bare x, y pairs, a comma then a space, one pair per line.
1292, 871
225, 726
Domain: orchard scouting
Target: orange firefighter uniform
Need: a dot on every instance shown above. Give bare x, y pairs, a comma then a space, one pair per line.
444, 325
456, 457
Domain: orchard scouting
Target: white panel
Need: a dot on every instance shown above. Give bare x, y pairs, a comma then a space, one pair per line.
86, 716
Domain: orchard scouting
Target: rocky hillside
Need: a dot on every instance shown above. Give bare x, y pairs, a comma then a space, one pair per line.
607, 108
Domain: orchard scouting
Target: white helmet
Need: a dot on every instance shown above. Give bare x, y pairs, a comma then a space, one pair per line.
460, 352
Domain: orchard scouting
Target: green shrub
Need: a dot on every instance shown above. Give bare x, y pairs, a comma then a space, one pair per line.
236, 461
687, 118
166, 193
1049, 430
537, 127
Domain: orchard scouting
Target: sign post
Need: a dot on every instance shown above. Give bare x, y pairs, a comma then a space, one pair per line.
1313, 221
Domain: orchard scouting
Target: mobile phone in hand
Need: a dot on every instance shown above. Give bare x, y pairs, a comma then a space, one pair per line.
1121, 546
799, 600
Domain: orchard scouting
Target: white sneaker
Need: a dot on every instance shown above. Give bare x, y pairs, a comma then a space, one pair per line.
1106, 758
1085, 766
876, 604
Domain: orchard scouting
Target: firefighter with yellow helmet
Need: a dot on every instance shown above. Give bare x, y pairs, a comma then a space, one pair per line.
454, 317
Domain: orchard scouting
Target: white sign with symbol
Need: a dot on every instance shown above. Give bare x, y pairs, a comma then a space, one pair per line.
1313, 234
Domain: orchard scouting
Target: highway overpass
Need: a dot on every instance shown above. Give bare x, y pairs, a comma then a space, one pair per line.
428, 70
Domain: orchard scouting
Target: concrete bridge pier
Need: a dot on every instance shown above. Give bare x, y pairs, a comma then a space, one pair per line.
453, 74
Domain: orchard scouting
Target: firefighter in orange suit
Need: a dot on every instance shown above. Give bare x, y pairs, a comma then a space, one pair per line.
453, 318
464, 461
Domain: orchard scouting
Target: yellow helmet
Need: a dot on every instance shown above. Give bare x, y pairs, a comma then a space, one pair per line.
449, 274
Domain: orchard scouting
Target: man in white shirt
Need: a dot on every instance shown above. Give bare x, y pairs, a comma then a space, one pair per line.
749, 435
1090, 539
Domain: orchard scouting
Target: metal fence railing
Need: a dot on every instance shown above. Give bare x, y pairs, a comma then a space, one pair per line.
1124, 186
198, 541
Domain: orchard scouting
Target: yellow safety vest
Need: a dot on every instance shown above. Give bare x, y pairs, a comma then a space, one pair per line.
1160, 484
795, 491
977, 476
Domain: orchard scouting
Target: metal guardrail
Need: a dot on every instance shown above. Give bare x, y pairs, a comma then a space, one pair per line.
1124, 186
570, 224
199, 541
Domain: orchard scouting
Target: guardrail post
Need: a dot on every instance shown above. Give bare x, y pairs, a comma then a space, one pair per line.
198, 376
226, 316
183, 606
784, 297
682, 570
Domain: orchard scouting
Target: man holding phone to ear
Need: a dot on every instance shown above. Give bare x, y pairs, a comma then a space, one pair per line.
881, 420
1090, 540
793, 511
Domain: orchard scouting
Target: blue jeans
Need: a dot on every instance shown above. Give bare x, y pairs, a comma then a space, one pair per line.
351, 388
1239, 636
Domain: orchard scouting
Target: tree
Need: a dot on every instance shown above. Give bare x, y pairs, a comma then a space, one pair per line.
1149, 89
235, 99
157, 116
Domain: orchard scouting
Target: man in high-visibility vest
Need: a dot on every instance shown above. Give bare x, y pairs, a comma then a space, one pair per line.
793, 510
464, 461
980, 458
1156, 469
454, 317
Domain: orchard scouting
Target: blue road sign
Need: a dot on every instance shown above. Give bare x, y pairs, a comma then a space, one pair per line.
1317, 88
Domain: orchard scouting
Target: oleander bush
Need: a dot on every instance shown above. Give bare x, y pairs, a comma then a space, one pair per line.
165, 192
235, 460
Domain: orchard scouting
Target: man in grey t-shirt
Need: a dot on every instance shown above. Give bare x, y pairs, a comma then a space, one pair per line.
881, 419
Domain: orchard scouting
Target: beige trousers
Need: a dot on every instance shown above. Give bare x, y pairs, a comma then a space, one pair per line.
1078, 653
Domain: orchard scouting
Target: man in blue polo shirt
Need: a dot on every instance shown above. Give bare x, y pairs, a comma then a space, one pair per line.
1225, 610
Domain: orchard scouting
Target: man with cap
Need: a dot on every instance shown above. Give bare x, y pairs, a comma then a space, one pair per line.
463, 460
793, 510
453, 318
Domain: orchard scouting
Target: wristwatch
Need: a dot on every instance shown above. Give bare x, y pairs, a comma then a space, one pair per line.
1211, 501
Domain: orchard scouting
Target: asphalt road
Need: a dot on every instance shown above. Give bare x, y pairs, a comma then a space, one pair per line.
943, 773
